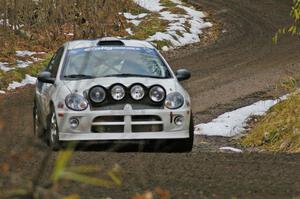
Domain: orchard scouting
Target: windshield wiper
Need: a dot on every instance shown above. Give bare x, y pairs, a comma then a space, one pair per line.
79, 76
132, 75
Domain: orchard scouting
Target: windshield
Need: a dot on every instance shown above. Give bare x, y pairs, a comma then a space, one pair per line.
108, 61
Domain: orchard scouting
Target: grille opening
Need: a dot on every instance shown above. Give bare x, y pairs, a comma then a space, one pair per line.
108, 129
142, 118
109, 119
116, 124
147, 128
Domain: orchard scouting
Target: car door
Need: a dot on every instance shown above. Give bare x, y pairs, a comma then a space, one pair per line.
40, 88
46, 89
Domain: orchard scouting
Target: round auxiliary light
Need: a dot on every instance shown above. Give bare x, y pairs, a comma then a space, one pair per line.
97, 94
118, 92
137, 92
157, 94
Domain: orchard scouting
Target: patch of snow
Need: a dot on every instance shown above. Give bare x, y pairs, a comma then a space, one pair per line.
2, 92
28, 80
166, 15
130, 16
192, 12
135, 22
160, 36
177, 33
134, 19
129, 31
152, 5
27, 53
35, 59
165, 48
23, 64
4, 67
233, 123
177, 2
231, 149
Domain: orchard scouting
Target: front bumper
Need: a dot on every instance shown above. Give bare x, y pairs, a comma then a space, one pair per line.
87, 118
122, 136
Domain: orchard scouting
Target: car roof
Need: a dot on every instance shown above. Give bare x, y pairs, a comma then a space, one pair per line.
105, 41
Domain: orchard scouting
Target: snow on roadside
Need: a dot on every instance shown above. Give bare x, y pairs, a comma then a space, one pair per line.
27, 53
227, 148
4, 67
130, 16
151, 5
129, 31
28, 80
134, 19
23, 64
177, 32
135, 22
233, 123
28, 58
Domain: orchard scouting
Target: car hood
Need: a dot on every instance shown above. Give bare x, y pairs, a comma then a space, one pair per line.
80, 86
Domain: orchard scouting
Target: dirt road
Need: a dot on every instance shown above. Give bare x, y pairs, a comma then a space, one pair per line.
239, 68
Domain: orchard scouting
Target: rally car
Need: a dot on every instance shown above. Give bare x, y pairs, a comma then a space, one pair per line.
112, 89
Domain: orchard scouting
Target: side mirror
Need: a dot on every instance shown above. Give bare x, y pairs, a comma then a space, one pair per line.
183, 74
45, 77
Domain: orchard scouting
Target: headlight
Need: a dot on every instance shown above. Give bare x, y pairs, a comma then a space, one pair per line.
76, 102
97, 94
157, 94
174, 100
137, 92
118, 92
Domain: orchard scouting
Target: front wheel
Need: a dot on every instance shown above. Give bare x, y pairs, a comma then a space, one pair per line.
52, 131
182, 145
186, 145
37, 127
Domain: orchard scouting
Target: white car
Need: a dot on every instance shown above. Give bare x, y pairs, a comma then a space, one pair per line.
112, 89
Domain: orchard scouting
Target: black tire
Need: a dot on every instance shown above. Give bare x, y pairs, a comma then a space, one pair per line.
52, 131
187, 144
38, 128
184, 145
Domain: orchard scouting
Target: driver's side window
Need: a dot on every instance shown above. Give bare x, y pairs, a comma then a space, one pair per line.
55, 62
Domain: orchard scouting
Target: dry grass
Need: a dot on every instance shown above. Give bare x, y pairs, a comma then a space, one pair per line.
279, 129
48, 31
149, 26
46, 26
153, 23
172, 7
